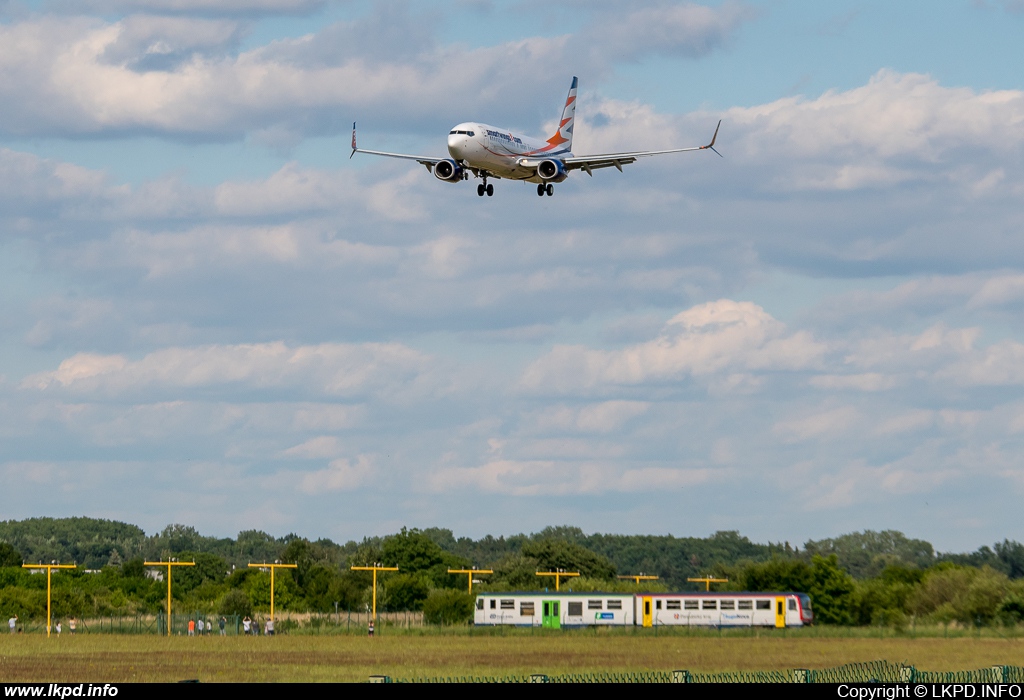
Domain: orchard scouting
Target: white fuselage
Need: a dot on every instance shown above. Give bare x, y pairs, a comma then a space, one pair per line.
499, 152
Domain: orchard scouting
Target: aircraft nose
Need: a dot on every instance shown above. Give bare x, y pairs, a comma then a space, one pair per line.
456, 145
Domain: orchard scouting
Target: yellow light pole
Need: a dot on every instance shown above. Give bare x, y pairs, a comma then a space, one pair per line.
273, 567
640, 577
470, 572
707, 580
169, 564
49, 570
375, 568
558, 575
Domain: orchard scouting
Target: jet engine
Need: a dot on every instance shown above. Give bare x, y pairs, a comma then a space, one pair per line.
551, 171
449, 171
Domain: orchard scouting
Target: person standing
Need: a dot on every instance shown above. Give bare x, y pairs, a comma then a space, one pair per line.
12, 623
72, 625
369, 629
58, 628
268, 629
191, 628
222, 623
246, 625
201, 627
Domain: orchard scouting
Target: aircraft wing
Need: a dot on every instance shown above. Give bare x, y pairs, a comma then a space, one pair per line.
617, 160
426, 161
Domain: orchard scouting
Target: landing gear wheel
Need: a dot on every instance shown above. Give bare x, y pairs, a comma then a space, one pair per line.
540, 190
479, 190
550, 189
490, 190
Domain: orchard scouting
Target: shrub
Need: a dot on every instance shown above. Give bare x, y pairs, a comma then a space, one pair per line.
448, 607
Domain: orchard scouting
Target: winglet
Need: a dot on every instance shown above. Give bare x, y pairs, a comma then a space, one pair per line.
710, 145
354, 149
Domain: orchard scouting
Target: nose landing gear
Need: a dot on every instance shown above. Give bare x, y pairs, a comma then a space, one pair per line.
547, 189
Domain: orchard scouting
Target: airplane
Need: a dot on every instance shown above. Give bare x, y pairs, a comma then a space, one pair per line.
490, 152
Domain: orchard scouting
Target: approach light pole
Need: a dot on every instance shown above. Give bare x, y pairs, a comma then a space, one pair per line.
170, 564
561, 573
708, 580
49, 570
470, 573
640, 577
375, 568
273, 567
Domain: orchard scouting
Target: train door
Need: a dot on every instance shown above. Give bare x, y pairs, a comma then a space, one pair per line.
780, 612
646, 604
552, 617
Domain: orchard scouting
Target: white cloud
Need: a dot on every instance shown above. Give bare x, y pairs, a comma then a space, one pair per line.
551, 478
332, 369
870, 381
716, 337
339, 475
822, 424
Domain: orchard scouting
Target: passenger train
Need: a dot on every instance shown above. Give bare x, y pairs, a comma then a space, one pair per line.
572, 609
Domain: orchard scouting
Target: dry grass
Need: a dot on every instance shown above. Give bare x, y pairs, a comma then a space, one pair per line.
111, 658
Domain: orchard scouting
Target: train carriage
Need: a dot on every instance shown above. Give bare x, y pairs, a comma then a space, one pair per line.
582, 609
554, 610
723, 609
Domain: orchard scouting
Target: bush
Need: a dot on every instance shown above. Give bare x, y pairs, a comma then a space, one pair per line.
448, 607
235, 602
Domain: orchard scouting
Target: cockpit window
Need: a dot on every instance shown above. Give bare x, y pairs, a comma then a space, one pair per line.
464, 133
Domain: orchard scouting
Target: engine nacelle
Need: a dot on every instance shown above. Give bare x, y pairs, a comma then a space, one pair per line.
551, 171
449, 171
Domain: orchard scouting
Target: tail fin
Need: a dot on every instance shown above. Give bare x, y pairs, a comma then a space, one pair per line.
563, 137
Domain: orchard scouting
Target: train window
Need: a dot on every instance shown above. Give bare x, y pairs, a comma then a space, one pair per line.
657, 604
526, 609
494, 603
594, 605
728, 605
690, 604
673, 604
709, 605
764, 605
615, 605
792, 604
508, 604
745, 604
480, 604
575, 608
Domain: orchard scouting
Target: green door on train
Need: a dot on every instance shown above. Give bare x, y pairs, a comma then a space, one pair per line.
552, 617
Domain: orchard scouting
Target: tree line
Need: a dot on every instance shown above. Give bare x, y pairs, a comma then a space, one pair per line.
867, 578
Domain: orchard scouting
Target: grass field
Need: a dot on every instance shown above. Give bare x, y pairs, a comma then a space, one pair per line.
115, 658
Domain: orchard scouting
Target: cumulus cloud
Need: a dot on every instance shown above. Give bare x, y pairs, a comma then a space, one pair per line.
333, 369
183, 76
247, 8
717, 337
550, 478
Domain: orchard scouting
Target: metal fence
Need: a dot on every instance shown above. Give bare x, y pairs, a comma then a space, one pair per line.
873, 672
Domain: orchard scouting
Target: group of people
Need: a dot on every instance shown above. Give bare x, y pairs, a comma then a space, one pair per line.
253, 628
12, 625
203, 627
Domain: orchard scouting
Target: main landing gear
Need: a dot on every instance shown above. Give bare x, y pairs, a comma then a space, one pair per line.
547, 189
485, 189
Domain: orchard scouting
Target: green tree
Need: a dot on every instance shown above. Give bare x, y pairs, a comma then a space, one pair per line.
831, 591
9, 556
235, 602
407, 591
552, 555
209, 567
413, 552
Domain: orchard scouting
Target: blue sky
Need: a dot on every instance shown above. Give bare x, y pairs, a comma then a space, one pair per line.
213, 316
